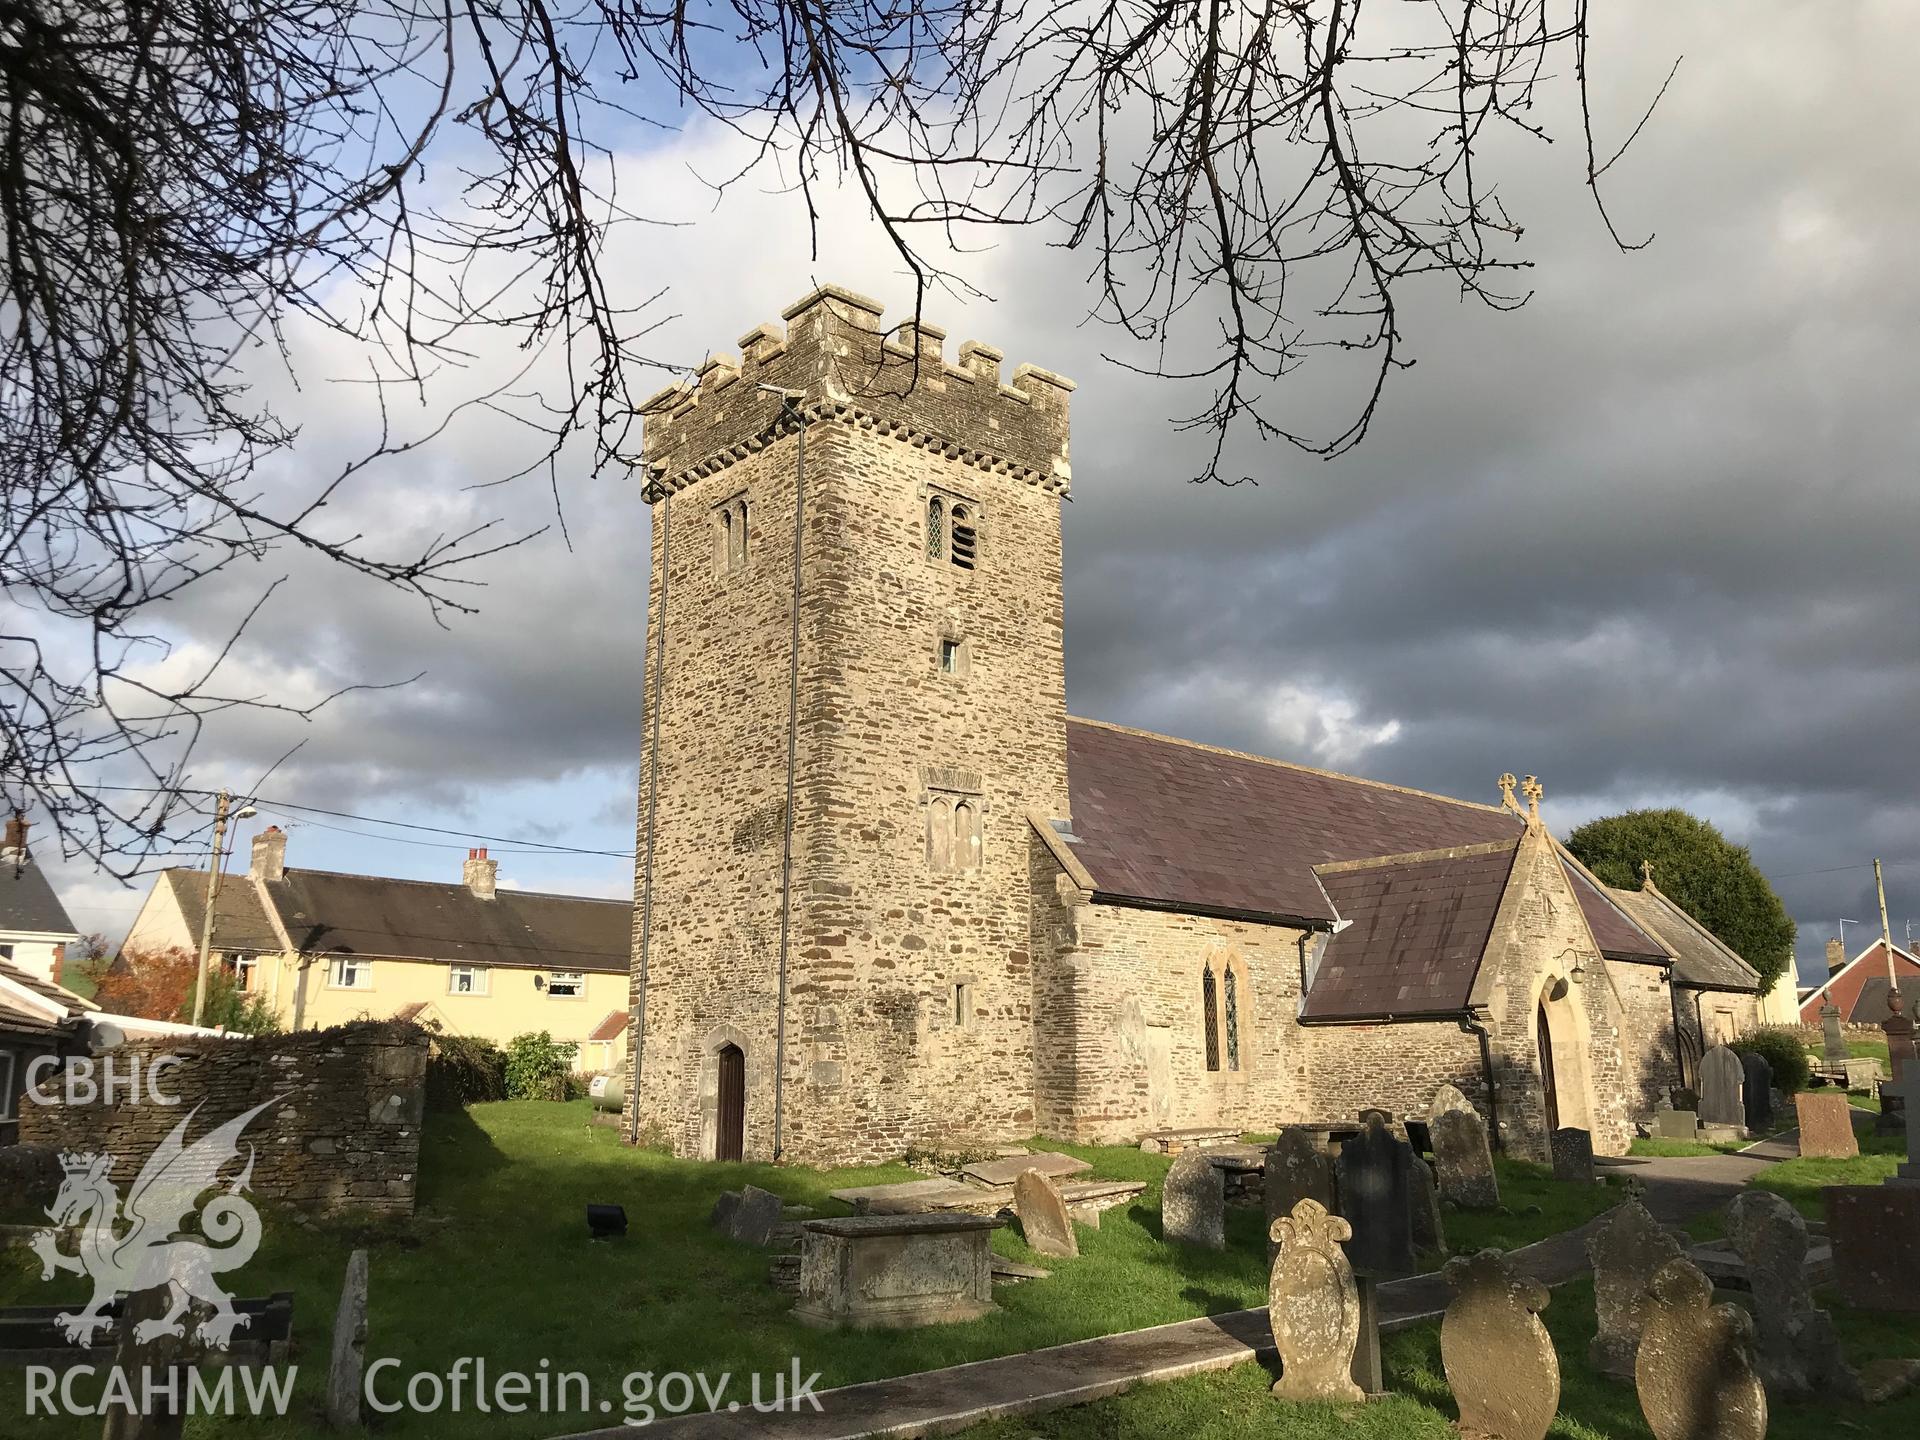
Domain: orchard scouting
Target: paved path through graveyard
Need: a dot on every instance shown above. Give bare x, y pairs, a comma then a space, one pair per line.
939, 1402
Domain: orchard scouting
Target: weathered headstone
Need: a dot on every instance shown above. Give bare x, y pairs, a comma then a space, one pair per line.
1876, 1264
1898, 1028
1676, 1125
1721, 1084
347, 1366
1826, 1124
1499, 1359
1627, 1248
1429, 1222
1798, 1350
1694, 1371
1193, 1202
1374, 1177
1573, 1155
1463, 1162
1907, 1092
1863, 1074
1297, 1167
1833, 1044
1757, 1082
1042, 1213
754, 1216
157, 1365
1447, 1097
1313, 1306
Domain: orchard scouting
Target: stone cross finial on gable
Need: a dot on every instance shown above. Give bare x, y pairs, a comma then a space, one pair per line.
1530, 787
1507, 782
1646, 872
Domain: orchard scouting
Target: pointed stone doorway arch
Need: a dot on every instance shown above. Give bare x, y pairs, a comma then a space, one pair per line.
1560, 1045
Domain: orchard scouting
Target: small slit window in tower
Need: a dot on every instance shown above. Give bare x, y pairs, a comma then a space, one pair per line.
1233, 1020
965, 540
963, 1005
740, 534
1209, 1002
940, 834
950, 656
966, 836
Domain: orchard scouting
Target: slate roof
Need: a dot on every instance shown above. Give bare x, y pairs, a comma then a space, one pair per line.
1178, 826
239, 921
27, 902
1871, 1007
328, 913
21, 1021
1420, 926
1700, 959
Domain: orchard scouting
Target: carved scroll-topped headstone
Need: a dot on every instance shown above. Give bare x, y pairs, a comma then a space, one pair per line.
1043, 1216
1313, 1306
1695, 1370
1499, 1359
1463, 1162
1193, 1202
1757, 1085
1375, 1182
1626, 1248
1798, 1350
1722, 1082
1297, 1167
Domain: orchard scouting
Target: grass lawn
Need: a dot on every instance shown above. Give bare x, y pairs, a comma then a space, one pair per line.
1654, 1145
497, 1264
1235, 1404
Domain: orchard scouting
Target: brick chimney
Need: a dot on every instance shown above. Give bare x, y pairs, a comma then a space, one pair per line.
1836, 957
269, 854
14, 848
479, 873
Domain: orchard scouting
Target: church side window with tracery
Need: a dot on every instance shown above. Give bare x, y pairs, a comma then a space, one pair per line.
1232, 1015
1209, 1008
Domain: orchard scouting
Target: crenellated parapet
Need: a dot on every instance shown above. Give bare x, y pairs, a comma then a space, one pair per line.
848, 367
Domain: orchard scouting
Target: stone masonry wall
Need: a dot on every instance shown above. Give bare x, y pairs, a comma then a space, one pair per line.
909, 1003
343, 1135
1395, 1067
1646, 1034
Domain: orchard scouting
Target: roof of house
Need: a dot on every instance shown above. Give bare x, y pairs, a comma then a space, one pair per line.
1420, 924
611, 1028
1700, 958
28, 905
239, 920
328, 913
1174, 825
27, 1018
1871, 1007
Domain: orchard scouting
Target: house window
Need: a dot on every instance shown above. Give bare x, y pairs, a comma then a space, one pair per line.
963, 1005
1232, 987
566, 984
730, 539
1209, 1006
243, 967
349, 972
953, 531
466, 979
953, 834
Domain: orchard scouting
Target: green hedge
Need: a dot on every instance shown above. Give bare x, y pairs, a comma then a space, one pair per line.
464, 1071
1782, 1048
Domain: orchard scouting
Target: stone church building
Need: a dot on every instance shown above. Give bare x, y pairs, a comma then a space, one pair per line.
889, 894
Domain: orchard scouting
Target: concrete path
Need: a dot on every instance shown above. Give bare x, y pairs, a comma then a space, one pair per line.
939, 1402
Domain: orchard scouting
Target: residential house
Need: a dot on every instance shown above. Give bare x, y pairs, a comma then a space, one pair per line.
474, 958
1848, 979
34, 929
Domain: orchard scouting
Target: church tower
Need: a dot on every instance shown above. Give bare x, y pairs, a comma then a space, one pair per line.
832, 951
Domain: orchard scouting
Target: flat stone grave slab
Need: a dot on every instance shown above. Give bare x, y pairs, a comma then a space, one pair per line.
1172, 1142
925, 1197
1088, 1200
1721, 1134
895, 1271
1237, 1159
1009, 1168
1721, 1263
1676, 1125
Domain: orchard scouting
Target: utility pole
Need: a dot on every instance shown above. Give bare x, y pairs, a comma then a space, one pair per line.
213, 893
1886, 930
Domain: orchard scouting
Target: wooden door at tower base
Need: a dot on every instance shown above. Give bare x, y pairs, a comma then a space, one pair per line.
730, 1133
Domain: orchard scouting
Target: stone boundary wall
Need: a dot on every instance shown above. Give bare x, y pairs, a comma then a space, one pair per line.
344, 1134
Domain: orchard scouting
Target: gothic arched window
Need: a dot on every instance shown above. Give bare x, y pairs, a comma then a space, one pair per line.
936, 529
1232, 1009
1209, 1008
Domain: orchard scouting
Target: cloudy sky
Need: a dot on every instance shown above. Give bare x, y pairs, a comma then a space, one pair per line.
1652, 537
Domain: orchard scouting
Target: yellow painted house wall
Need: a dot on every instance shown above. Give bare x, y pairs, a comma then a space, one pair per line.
511, 1006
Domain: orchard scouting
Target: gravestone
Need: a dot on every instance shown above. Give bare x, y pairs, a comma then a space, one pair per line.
752, 1217
1721, 1083
1313, 1305
1429, 1222
158, 1365
1297, 1167
894, 1271
1863, 1074
1898, 1028
1573, 1155
347, 1365
1627, 1249
1462, 1161
1420, 1136
1447, 1097
1798, 1351
1374, 1178
1876, 1262
1676, 1125
1694, 1371
1499, 1359
1193, 1202
1042, 1212
1833, 1044
1757, 1079
1826, 1124
1907, 1092
1009, 1168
